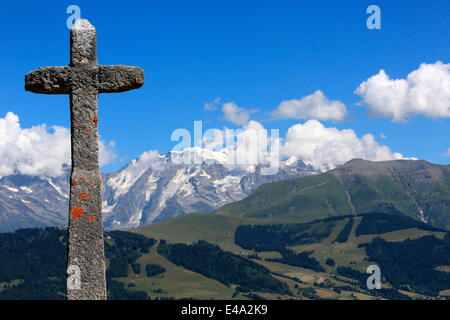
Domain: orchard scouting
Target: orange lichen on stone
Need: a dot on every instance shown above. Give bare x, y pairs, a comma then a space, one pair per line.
88, 132
91, 218
77, 212
73, 183
84, 196
93, 186
95, 119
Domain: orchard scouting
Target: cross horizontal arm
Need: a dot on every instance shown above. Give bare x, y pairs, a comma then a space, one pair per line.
49, 80
119, 78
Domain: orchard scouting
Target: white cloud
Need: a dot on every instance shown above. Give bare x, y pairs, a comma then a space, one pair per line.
150, 159
425, 91
107, 152
448, 153
39, 150
315, 106
319, 146
253, 145
324, 147
234, 114
212, 105
235, 148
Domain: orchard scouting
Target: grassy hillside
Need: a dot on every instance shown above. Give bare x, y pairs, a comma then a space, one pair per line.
315, 245
217, 229
297, 200
243, 260
175, 282
417, 189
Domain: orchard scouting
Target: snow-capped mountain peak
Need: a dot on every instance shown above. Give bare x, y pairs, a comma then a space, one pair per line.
170, 187
151, 188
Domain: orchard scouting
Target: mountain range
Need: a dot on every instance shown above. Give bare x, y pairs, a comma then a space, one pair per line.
415, 188
154, 188
150, 188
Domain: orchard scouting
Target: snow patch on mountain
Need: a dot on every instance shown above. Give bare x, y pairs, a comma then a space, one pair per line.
58, 189
12, 189
26, 189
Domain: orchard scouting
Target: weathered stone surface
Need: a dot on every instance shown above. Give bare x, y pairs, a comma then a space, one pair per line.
49, 80
84, 79
83, 44
119, 78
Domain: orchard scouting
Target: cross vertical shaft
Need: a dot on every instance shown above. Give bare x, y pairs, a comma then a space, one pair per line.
83, 80
86, 243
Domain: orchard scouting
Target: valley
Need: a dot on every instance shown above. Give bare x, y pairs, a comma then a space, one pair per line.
311, 237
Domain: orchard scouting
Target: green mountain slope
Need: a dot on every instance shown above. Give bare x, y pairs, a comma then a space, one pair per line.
241, 259
190, 228
310, 260
417, 189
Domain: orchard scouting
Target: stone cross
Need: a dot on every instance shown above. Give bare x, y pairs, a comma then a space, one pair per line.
83, 79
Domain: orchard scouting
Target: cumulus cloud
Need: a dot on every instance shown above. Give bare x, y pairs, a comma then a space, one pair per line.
255, 144
234, 114
39, 150
151, 159
448, 153
212, 105
425, 91
324, 147
315, 106
242, 147
321, 147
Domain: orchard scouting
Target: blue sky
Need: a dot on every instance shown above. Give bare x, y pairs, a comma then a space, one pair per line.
253, 53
